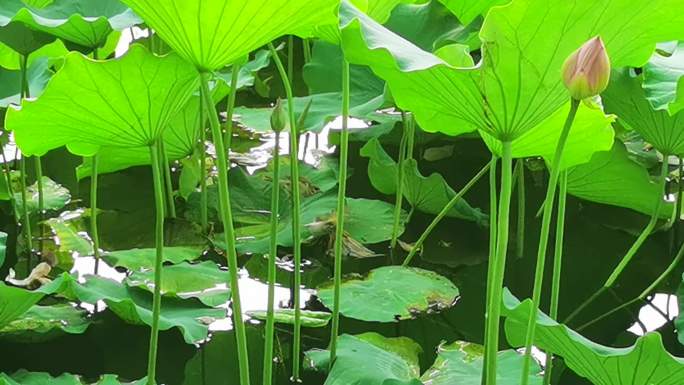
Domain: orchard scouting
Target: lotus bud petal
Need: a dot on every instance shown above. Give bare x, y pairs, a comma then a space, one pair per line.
586, 72
279, 117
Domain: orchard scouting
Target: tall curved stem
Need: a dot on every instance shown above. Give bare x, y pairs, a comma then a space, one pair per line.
273, 251
495, 285
234, 77
399, 198
520, 228
159, 245
168, 184
201, 151
296, 215
549, 200
93, 211
228, 230
341, 196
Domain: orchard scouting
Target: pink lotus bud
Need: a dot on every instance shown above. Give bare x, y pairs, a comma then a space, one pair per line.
586, 72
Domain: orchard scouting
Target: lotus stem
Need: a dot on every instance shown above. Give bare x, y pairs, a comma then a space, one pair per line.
557, 264
234, 77
296, 215
399, 198
492, 234
341, 197
675, 262
24, 207
498, 267
549, 200
10, 189
273, 251
678, 206
229, 231
159, 245
290, 60
445, 210
520, 235
93, 211
635, 246
166, 167
201, 151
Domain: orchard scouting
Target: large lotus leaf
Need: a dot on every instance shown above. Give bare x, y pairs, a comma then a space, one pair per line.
214, 33
309, 318
204, 281
55, 197
591, 132
664, 80
391, 293
135, 306
626, 98
139, 259
11, 59
15, 301
427, 194
38, 76
41, 323
468, 10
182, 133
126, 102
611, 177
461, 363
69, 236
370, 359
84, 22
23, 377
513, 90
644, 363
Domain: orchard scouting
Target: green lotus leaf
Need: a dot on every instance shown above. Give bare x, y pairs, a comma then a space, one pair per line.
612, 178
143, 259
11, 59
38, 76
135, 306
626, 98
204, 281
469, 10
427, 194
22, 377
55, 197
310, 319
41, 323
461, 363
182, 132
391, 293
644, 363
69, 238
126, 102
664, 80
87, 23
370, 359
215, 33
16, 301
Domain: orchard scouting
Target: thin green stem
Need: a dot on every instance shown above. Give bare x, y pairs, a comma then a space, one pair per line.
341, 196
273, 252
549, 200
228, 230
678, 206
399, 197
411, 141
498, 265
234, 77
201, 151
93, 211
10, 189
642, 296
159, 245
445, 210
520, 234
492, 231
41, 200
290, 60
635, 246
166, 166
557, 264
296, 215
306, 44
24, 207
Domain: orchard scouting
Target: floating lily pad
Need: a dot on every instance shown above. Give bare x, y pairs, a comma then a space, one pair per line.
204, 281
68, 236
138, 259
135, 306
41, 323
126, 102
23, 377
391, 293
309, 319
55, 197
16, 301
644, 363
